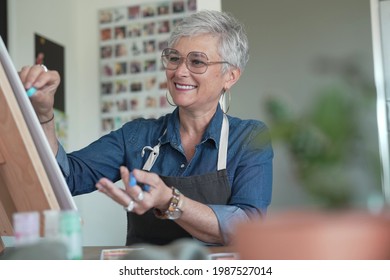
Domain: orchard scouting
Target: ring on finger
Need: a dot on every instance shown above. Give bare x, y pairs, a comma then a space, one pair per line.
44, 67
130, 207
140, 196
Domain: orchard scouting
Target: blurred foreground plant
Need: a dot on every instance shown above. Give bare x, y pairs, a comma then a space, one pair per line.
326, 139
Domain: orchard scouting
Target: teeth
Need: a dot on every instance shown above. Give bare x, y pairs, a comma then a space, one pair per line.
184, 86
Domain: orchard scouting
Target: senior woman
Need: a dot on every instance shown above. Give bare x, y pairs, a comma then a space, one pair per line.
192, 173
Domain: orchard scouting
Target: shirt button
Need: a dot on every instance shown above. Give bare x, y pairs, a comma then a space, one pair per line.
183, 165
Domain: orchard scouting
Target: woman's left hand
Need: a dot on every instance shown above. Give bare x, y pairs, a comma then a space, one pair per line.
133, 197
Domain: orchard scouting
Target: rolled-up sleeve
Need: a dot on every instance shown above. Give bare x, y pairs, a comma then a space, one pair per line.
62, 160
228, 217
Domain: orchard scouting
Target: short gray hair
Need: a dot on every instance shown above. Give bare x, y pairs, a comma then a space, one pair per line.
233, 41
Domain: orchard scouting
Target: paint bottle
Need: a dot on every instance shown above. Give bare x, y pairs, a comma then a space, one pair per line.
52, 224
70, 231
26, 228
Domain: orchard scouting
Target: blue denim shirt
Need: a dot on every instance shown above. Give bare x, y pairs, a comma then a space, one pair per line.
249, 160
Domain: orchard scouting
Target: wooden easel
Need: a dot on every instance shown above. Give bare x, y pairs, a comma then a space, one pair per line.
24, 184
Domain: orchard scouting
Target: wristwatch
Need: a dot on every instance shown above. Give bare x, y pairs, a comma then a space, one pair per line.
174, 209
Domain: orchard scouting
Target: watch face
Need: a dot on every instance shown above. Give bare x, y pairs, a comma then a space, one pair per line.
175, 214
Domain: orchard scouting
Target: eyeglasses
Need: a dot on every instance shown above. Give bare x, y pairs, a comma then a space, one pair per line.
196, 62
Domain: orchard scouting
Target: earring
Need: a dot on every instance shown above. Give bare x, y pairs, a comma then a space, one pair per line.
169, 102
222, 101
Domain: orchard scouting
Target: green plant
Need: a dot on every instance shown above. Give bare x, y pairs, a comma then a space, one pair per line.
326, 139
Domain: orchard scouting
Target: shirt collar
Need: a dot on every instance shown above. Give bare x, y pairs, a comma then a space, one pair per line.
213, 131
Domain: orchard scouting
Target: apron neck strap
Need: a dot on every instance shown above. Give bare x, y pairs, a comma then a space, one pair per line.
222, 150
223, 144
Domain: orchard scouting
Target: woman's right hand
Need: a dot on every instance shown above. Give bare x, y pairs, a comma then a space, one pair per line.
46, 83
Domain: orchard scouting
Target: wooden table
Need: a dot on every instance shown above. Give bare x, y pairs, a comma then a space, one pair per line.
94, 252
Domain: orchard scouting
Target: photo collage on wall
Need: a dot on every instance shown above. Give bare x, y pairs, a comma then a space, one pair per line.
132, 81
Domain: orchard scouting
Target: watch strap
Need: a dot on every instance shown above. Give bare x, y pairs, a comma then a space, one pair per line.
174, 209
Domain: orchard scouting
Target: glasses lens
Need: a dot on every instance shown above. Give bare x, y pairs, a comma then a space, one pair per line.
171, 59
197, 62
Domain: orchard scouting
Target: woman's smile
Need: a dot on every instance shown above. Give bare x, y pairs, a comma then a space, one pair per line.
184, 86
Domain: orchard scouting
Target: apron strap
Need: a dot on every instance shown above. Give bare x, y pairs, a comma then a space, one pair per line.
222, 150
223, 144
154, 152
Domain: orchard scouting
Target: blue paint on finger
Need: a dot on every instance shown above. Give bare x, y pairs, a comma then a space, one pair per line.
146, 188
31, 91
132, 180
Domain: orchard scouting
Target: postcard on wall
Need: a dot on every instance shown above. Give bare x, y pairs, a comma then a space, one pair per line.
131, 38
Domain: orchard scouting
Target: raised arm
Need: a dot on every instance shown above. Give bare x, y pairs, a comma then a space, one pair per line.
46, 83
